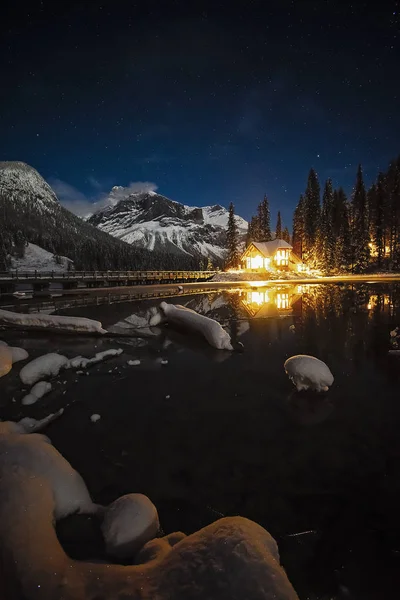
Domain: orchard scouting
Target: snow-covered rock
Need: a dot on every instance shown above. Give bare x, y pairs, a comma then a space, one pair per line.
128, 524
42, 321
210, 329
80, 362
133, 363
37, 458
308, 373
44, 366
95, 417
5, 360
39, 390
18, 354
27, 424
152, 221
37, 259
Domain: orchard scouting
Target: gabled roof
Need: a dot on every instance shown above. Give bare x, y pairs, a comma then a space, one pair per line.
269, 248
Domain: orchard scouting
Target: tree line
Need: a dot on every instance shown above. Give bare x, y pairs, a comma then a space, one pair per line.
337, 234
355, 235
64, 234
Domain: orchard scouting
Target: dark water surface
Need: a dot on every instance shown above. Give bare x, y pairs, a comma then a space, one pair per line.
215, 433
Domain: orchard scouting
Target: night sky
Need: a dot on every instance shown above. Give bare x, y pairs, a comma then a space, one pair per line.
207, 102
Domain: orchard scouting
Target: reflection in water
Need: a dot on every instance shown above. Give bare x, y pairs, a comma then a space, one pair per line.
270, 301
308, 409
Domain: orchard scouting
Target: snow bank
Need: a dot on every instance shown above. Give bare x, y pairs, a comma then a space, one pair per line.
35, 455
5, 360
41, 367
210, 329
42, 321
128, 524
18, 354
80, 362
38, 391
308, 373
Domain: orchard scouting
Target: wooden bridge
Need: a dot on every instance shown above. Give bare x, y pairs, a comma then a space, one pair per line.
39, 281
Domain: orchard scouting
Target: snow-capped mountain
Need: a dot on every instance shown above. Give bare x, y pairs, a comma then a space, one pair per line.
22, 182
32, 217
152, 221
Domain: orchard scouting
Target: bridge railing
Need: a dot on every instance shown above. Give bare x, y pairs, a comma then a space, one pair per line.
103, 275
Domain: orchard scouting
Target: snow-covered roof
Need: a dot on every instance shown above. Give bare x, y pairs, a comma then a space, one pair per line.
270, 248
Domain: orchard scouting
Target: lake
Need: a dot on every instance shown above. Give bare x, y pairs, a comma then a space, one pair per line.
206, 433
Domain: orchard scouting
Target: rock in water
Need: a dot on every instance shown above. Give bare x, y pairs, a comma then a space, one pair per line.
128, 524
308, 373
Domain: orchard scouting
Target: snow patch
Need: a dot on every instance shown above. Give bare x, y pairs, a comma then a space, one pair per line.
210, 329
18, 354
44, 366
37, 259
27, 424
308, 373
133, 363
128, 524
80, 362
38, 391
94, 418
42, 321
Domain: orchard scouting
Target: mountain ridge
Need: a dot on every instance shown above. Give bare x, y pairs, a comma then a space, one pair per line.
31, 213
152, 221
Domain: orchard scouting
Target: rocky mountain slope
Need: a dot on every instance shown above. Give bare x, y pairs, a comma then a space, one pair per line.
31, 213
152, 221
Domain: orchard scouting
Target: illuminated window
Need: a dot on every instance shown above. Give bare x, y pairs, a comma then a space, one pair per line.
282, 301
258, 298
257, 262
282, 258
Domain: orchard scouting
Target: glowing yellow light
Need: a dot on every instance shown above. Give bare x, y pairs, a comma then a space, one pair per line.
258, 298
257, 262
369, 306
282, 301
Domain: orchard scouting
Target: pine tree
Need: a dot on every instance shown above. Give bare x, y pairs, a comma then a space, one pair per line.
255, 229
249, 235
359, 229
232, 260
298, 228
264, 220
210, 266
286, 235
325, 235
393, 188
377, 218
312, 210
341, 229
278, 229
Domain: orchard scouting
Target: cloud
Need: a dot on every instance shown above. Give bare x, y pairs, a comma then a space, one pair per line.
84, 205
71, 198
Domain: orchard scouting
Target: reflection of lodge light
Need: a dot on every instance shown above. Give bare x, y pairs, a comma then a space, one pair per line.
257, 298
282, 301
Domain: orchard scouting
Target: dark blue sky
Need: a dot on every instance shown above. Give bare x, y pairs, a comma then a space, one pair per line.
210, 103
